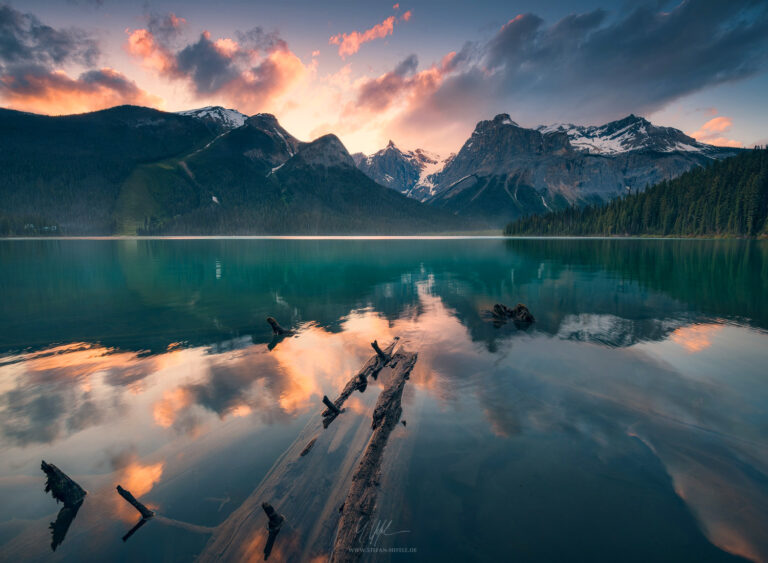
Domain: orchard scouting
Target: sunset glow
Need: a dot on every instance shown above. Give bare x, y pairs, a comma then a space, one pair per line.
378, 74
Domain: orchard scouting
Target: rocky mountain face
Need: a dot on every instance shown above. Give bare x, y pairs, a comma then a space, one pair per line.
408, 172
505, 171
218, 119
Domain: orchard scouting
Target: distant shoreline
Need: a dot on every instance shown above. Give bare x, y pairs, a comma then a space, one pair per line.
373, 237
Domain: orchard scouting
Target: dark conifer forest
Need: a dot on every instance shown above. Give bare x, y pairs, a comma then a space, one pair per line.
726, 198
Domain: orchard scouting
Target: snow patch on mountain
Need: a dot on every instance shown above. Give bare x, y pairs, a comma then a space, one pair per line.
227, 118
628, 134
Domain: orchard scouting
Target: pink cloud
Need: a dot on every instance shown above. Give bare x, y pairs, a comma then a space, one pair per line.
349, 43
142, 44
712, 132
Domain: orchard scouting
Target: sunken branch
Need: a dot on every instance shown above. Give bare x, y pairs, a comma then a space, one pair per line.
358, 382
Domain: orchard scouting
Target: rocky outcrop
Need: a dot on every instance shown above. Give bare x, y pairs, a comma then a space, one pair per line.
326, 152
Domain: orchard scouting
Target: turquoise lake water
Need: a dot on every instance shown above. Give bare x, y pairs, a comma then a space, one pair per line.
628, 423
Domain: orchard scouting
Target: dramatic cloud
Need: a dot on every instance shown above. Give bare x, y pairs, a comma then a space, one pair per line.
39, 90
349, 43
249, 72
379, 93
593, 68
32, 55
712, 132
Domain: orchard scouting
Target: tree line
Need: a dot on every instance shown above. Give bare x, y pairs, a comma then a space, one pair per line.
725, 198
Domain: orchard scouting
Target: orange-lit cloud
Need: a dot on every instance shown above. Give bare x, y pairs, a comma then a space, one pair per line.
349, 43
695, 338
142, 44
250, 75
166, 410
139, 479
57, 93
712, 132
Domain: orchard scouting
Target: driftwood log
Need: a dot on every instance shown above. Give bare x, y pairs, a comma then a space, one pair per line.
519, 313
360, 504
308, 447
359, 382
145, 512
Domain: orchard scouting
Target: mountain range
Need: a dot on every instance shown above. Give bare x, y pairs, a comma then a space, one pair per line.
213, 170
504, 171
134, 170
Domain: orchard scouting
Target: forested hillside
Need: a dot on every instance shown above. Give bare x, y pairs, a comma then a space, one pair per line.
726, 198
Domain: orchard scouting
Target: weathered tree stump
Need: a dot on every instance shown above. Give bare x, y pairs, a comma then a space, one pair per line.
66, 491
277, 330
61, 487
519, 313
359, 382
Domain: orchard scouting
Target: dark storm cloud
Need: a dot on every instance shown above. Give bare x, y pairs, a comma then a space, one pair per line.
207, 67
597, 67
25, 40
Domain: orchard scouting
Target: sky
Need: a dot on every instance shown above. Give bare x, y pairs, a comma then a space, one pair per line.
421, 73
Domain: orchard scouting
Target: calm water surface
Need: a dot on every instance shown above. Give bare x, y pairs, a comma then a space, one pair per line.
629, 423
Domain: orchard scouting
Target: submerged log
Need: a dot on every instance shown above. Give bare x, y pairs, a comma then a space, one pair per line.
308, 447
360, 504
308, 490
135, 528
359, 382
519, 313
61, 487
145, 512
331, 407
273, 527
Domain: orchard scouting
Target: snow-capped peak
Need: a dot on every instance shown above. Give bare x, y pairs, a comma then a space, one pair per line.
226, 118
628, 134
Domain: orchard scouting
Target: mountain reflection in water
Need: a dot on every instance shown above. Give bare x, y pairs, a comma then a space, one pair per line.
636, 406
